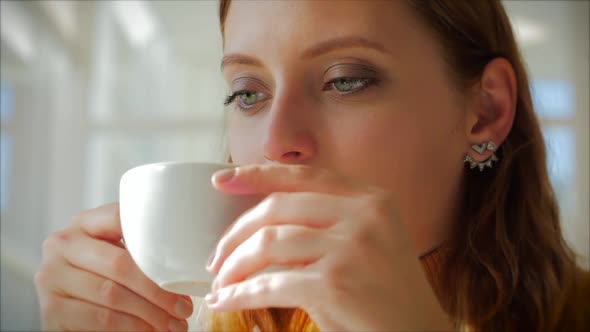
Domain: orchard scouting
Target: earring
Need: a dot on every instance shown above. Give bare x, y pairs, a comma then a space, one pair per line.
481, 149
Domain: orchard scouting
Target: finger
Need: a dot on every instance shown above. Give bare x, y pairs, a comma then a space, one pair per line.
91, 288
285, 245
114, 263
102, 222
251, 179
283, 289
306, 209
84, 316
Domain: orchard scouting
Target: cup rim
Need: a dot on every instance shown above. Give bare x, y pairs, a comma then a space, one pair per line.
177, 163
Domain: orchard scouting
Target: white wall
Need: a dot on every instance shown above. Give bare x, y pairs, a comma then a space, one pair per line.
554, 37
87, 99
82, 104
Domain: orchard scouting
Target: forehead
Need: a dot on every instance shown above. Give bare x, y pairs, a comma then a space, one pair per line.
287, 27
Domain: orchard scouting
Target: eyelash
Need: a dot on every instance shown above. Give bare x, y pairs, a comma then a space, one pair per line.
230, 99
365, 81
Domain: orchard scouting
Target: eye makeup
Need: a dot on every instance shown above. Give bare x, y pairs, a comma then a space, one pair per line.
343, 80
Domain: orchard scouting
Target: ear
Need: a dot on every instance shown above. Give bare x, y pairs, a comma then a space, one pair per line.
491, 114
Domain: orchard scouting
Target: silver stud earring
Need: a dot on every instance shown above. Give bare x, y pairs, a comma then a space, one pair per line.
481, 149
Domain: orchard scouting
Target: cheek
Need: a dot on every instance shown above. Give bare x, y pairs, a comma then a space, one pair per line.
403, 147
432, 142
376, 145
243, 142
442, 134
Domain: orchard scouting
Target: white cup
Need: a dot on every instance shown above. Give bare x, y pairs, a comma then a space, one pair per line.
172, 218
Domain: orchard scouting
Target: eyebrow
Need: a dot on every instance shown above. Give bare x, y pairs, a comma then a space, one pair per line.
317, 50
239, 59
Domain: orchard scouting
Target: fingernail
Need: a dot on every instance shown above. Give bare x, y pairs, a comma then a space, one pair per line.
183, 307
177, 325
224, 175
215, 285
211, 298
210, 261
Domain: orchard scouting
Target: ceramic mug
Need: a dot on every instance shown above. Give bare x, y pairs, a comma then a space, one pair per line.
172, 218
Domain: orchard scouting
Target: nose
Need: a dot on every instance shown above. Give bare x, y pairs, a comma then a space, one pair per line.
289, 137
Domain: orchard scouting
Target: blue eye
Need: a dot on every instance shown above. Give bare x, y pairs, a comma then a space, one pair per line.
249, 98
246, 98
348, 85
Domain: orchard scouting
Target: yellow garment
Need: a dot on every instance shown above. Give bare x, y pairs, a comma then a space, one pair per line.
575, 315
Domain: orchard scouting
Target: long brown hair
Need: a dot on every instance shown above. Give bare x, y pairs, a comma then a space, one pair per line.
507, 266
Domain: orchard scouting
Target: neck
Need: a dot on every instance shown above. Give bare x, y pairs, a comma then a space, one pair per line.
432, 263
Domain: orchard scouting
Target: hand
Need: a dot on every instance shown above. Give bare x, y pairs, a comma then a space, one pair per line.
353, 266
88, 282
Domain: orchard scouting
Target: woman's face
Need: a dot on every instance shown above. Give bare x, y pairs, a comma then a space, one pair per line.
359, 87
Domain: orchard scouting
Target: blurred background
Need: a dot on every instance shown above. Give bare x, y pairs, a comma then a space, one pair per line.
92, 88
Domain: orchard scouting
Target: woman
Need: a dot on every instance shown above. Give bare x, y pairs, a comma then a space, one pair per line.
406, 177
